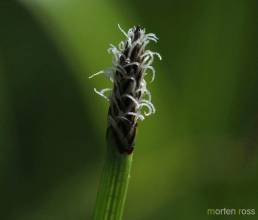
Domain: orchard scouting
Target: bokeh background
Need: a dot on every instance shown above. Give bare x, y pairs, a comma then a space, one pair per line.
198, 151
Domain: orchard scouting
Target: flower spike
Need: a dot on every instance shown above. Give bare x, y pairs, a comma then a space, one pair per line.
129, 96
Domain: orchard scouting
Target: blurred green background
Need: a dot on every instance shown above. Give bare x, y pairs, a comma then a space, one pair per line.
198, 151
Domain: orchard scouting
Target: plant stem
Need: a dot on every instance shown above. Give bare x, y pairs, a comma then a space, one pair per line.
113, 184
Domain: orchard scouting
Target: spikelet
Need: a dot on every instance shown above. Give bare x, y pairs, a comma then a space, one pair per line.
129, 99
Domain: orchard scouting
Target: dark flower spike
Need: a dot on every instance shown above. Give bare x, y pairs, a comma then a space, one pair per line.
129, 96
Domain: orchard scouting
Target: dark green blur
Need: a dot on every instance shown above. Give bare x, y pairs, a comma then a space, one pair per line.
198, 151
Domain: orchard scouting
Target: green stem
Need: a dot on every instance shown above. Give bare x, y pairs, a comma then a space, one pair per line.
113, 185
